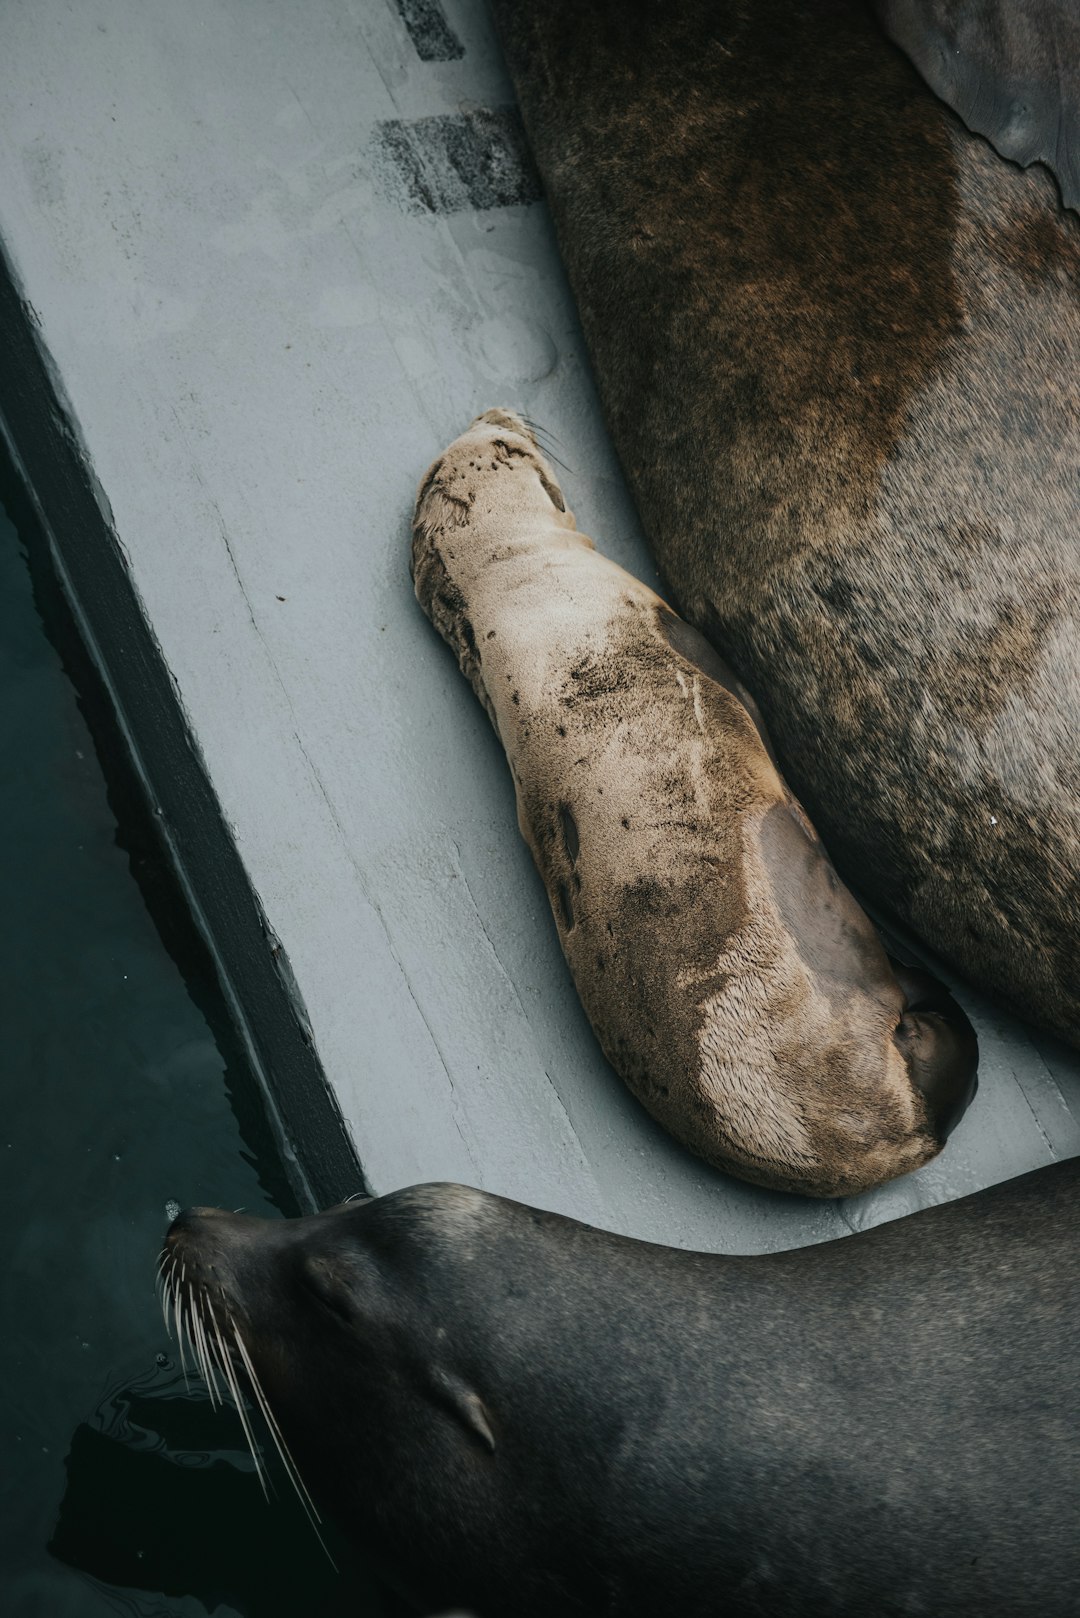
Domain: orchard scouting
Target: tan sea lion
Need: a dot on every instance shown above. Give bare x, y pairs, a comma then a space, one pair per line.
531, 1418
732, 980
837, 340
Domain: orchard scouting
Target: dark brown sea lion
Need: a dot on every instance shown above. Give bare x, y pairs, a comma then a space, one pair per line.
732, 980
838, 343
530, 1417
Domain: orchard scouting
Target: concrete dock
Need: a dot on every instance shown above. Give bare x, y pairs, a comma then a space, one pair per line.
261, 263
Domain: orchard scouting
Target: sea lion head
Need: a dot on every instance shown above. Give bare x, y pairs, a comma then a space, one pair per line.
389, 1344
329, 1320
495, 443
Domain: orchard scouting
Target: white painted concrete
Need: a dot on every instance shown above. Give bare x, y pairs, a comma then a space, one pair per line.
262, 350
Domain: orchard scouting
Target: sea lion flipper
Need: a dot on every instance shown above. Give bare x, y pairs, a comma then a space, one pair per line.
1011, 72
939, 1044
467, 1405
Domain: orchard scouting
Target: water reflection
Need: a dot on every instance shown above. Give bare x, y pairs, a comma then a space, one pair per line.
123, 1088
162, 1498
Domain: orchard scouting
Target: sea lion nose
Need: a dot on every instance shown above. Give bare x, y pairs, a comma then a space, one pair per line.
186, 1225
939, 1046
191, 1217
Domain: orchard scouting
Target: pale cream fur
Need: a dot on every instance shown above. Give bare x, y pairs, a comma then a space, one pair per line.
667, 908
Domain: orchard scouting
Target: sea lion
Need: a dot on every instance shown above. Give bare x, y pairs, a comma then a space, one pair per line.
837, 340
1010, 68
732, 980
531, 1417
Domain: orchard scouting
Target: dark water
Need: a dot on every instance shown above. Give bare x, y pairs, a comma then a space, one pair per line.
122, 1089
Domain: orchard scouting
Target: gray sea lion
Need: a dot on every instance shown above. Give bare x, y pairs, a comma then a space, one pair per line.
529, 1417
1010, 68
837, 340
731, 978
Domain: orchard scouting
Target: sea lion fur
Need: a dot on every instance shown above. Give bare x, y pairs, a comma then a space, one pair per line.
733, 981
837, 342
526, 1417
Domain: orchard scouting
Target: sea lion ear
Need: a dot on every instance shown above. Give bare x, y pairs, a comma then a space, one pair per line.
467, 1406
1010, 68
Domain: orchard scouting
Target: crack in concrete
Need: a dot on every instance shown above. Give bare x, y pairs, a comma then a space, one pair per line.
376, 909
512, 986
1034, 1112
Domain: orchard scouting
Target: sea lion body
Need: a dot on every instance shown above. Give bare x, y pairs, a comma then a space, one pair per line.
837, 341
731, 978
529, 1416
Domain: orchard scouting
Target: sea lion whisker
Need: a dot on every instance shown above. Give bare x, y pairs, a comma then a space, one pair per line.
205, 1365
180, 1342
291, 1469
209, 1367
229, 1374
550, 455
193, 1339
543, 437
200, 1358
177, 1298
162, 1278
271, 1421
538, 427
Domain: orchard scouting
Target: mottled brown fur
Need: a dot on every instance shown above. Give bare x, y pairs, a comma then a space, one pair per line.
731, 978
838, 343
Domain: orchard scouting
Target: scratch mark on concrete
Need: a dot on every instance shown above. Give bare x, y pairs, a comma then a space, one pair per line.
376, 909
334, 816
512, 987
1034, 1113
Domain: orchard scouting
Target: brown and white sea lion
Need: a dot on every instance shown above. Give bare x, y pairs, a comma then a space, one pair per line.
732, 980
529, 1417
837, 340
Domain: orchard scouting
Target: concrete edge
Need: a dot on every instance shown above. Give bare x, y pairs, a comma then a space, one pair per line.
43, 440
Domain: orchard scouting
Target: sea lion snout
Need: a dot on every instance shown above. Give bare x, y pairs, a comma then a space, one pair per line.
509, 419
221, 1255
495, 442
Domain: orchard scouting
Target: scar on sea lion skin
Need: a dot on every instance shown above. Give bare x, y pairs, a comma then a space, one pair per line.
731, 978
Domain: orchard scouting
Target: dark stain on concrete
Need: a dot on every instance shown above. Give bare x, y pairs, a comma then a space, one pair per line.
432, 35
456, 162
